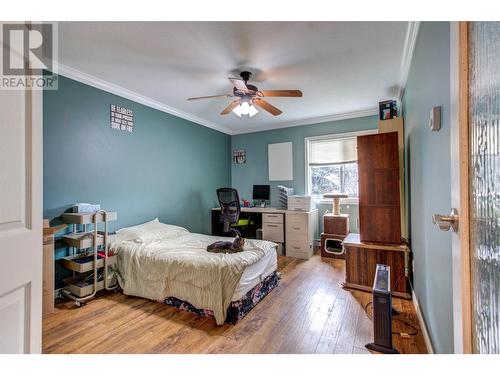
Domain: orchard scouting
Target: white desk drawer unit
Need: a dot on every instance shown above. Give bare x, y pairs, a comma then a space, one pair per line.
272, 227
301, 228
272, 218
272, 232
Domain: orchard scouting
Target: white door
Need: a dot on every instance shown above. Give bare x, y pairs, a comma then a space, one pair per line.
20, 221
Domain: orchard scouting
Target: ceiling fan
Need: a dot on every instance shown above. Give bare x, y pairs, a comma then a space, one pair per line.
248, 96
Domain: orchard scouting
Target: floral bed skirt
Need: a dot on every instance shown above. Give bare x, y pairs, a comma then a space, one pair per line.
237, 309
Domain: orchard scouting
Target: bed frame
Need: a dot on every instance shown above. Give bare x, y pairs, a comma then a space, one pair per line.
237, 309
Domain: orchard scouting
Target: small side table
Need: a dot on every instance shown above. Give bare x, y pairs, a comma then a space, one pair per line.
362, 259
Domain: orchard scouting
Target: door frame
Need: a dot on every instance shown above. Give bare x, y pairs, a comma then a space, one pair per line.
460, 185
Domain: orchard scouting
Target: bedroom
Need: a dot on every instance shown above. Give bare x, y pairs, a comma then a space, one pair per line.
338, 146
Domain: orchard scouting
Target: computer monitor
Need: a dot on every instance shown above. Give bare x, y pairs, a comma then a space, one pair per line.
261, 192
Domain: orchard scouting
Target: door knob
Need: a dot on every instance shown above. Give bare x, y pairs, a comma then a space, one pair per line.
445, 222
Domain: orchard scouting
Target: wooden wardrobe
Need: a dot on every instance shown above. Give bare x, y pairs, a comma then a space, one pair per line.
379, 185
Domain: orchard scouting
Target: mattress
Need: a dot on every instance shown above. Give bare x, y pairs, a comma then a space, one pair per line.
181, 267
255, 274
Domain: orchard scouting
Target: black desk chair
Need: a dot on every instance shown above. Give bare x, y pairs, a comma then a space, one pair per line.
229, 202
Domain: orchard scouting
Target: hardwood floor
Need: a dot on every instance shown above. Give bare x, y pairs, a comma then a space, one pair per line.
308, 312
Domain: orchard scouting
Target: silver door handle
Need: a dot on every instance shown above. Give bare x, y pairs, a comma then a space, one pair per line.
445, 222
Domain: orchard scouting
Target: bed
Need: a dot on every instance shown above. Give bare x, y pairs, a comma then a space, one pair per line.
169, 264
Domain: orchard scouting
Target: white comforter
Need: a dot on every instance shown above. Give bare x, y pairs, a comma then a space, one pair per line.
182, 268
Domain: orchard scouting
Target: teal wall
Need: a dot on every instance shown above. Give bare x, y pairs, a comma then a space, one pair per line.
168, 168
428, 179
255, 170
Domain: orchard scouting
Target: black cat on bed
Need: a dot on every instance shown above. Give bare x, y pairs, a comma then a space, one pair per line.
236, 246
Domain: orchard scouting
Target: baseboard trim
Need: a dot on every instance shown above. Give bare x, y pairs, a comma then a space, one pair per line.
423, 326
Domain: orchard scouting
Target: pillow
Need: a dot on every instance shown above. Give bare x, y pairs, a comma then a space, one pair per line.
150, 231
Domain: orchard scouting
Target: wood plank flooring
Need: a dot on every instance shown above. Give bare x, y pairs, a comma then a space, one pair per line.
308, 312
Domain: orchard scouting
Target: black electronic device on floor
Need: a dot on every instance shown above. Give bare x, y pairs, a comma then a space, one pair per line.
382, 312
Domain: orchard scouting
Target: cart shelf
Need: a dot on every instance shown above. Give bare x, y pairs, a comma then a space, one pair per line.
83, 289
84, 240
85, 262
74, 218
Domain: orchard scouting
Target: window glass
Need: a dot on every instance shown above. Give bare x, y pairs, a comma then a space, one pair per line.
336, 178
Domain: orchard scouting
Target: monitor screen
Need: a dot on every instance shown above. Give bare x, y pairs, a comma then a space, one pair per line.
261, 192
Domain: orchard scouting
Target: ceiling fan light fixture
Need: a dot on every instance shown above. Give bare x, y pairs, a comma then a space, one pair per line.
245, 109
252, 111
237, 110
247, 95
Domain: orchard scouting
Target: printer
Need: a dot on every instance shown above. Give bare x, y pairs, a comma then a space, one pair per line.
300, 203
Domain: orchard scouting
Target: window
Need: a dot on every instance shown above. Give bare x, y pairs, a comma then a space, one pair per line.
334, 178
331, 163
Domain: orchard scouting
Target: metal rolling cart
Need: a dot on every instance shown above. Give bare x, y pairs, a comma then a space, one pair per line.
90, 266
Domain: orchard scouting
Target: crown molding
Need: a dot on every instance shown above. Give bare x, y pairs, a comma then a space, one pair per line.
310, 121
407, 56
101, 84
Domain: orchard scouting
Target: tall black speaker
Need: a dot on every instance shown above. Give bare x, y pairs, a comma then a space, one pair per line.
382, 311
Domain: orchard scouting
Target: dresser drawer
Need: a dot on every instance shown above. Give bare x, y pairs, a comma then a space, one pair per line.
297, 220
299, 255
298, 249
297, 243
272, 218
273, 232
297, 239
296, 230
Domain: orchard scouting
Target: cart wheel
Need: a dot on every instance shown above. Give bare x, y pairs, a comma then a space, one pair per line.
78, 304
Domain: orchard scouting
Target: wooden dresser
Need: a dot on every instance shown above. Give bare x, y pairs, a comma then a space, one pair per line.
362, 258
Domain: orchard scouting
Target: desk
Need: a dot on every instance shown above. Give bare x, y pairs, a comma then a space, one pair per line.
271, 220
278, 225
272, 210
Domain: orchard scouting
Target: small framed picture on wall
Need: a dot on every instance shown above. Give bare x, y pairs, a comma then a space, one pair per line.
239, 156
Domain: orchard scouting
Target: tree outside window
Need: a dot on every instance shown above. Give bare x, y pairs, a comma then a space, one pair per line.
334, 178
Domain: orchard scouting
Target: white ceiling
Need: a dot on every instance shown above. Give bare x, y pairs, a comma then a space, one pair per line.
343, 68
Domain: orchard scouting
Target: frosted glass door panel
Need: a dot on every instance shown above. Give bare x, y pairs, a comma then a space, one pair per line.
484, 120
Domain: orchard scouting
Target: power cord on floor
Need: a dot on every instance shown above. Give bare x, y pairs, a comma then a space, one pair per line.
402, 334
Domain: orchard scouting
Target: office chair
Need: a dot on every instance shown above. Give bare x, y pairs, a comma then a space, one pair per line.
229, 202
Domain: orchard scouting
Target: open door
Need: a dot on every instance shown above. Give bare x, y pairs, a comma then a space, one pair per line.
475, 165
20, 220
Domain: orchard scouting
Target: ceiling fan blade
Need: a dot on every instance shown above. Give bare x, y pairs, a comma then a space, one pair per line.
230, 107
208, 97
267, 106
239, 84
283, 93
